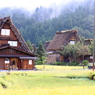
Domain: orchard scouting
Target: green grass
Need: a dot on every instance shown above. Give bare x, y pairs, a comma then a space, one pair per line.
51, 80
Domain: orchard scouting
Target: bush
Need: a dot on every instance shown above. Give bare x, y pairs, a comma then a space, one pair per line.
73, 63
65, 64
60, 63
85, 62
39, 62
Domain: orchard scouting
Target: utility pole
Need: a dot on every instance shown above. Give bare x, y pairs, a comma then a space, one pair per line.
94, 40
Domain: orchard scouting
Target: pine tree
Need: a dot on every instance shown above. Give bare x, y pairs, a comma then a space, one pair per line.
40, 51
29, 45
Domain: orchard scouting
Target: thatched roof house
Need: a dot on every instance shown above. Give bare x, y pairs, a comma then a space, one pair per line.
7, 20
63, 38
14, 52
46, 44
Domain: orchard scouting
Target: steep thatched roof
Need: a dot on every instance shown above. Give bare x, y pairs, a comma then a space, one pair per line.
16, 33
62, 38
46, 44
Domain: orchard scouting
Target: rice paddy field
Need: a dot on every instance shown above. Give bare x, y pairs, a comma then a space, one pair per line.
48, 80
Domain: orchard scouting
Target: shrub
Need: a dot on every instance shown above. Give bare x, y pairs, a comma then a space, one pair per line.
60, 63
39, 62
73, 63
85, 62
65, 64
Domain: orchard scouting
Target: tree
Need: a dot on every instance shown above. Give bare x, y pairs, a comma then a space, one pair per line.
29, 45
74, 51
40, 51
83, 50
70, 51
92, 47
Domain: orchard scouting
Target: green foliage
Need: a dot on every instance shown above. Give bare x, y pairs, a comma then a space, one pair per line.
39, 62
40, 52
73, 63
83, 50
59, 63
41, 25
29, 45
70, 51
65, 64
92, 47
73, 52
85, 62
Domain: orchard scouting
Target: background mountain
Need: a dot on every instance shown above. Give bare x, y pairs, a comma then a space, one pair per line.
42, 24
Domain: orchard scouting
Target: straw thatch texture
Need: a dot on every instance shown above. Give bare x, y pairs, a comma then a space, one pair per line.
62, 38
46, 44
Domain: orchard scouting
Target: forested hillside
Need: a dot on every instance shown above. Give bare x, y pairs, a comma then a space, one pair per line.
42, 24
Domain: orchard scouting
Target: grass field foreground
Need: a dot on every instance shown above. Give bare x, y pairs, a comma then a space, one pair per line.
54, 67
48, 81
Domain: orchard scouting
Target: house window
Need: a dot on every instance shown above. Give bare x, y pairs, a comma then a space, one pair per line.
91, 57
30, 62
72, 42
7, 61
5, 32
12, 43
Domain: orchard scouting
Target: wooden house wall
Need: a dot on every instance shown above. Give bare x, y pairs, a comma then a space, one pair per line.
61, 58
87, 57
52, 58
25, 64
7, 26
20, 64
5, 38
9, 51
10, 64
2, 65
33, 64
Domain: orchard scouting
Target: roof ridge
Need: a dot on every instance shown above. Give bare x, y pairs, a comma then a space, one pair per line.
67, 31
